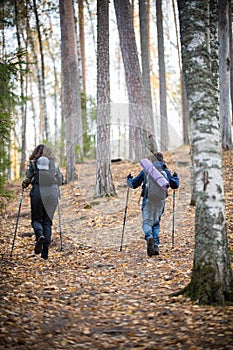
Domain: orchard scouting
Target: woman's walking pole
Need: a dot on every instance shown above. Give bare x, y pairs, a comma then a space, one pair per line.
17, 220
59, 215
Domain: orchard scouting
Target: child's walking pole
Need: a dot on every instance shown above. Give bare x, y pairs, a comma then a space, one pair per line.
59, 215
173, 218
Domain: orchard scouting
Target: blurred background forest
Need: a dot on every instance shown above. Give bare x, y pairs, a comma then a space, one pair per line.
34, 51
31, 71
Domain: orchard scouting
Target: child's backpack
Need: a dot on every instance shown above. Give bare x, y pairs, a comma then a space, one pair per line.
44, 171
156, 181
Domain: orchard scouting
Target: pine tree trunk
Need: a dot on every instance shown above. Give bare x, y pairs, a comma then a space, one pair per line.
184, 99
164, 136
82, 44
36, 72
231, 60
138, 121
145, 57
69, 68
22, 93
104, 183
45, 127
55, 84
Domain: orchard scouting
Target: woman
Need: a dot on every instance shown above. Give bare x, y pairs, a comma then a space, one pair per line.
41, 175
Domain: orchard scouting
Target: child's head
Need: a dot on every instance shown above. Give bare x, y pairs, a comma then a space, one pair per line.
157, 157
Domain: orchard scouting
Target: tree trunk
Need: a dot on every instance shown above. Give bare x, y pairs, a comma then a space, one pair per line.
231, 58
184, 99
164, 136
82, 43
225, 73
83, 64
138, 121
211, 280
185, 112
45, 128
37, 77
22, 92
104, 183
55, 84
69, 85
92, 23
145, 56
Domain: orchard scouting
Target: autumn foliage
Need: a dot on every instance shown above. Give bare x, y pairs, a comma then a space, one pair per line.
91, 295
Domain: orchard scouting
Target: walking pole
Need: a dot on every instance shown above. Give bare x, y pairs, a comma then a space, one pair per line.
123, 229
173, 218
59, 216
17, 220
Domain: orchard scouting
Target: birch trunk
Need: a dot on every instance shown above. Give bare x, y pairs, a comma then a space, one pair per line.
225, 73
211, 280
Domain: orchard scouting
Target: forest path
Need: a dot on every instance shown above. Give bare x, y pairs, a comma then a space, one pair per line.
106, 215
91, 295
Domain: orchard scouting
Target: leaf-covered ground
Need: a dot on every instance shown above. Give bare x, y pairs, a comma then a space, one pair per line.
91, 295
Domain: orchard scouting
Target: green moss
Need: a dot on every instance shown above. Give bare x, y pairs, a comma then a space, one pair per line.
204, 289
203, 286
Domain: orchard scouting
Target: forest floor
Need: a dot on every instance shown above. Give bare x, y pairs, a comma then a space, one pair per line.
91, 295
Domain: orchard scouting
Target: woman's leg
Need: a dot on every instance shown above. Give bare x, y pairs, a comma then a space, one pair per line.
36, 218
48, 214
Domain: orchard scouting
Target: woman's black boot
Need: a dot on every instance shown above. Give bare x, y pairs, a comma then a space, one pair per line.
39, 242
45, 252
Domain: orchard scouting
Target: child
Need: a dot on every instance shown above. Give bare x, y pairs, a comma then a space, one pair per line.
152, 210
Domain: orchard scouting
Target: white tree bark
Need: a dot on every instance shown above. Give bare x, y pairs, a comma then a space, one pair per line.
225, 73
211, 280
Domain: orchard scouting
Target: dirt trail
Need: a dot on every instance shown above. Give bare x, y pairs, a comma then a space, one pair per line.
112, 210
93, 296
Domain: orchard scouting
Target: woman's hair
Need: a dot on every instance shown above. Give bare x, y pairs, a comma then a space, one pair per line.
41, 150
